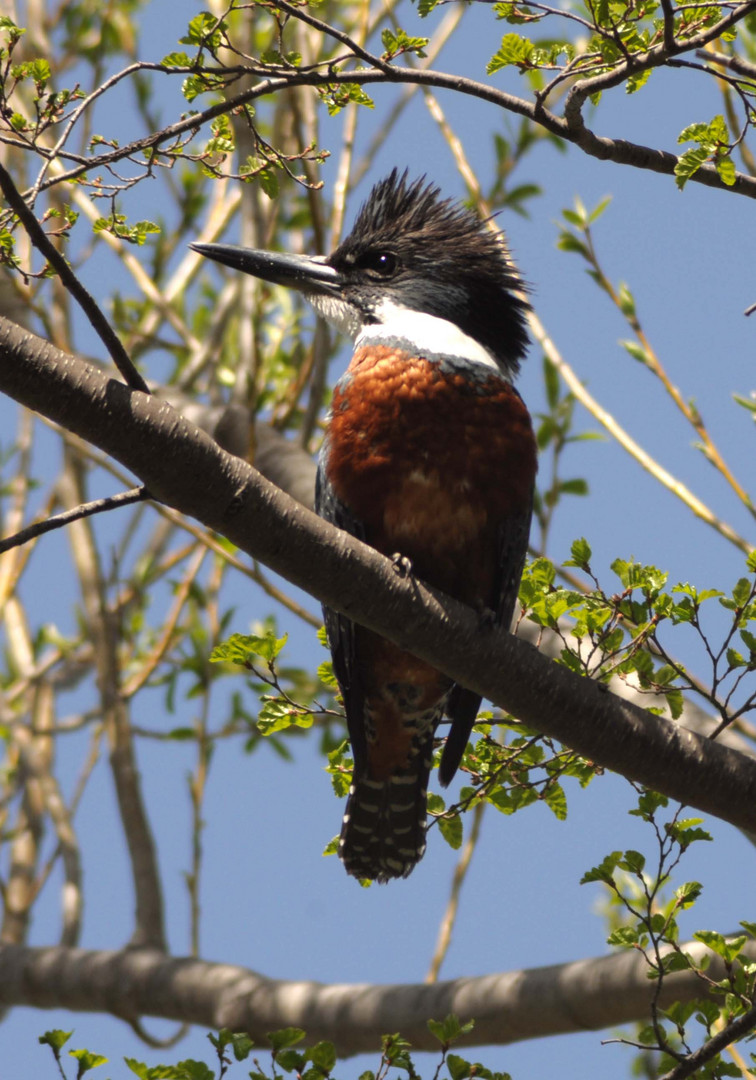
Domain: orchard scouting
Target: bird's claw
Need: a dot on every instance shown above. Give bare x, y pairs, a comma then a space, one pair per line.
486, 616
402, 564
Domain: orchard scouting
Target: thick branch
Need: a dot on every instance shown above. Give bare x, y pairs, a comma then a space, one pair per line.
586, 995
184, 468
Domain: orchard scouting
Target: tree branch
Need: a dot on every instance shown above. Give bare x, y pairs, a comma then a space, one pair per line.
508, 1007
86, 301
571, 130
733, 1031
59, 521
184, 468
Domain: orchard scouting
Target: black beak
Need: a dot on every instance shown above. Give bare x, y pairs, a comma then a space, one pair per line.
308, 274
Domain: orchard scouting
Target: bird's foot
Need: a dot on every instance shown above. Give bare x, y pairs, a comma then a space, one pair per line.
402, 564
486, 616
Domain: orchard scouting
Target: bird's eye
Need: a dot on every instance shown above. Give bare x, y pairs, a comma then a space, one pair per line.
380, 263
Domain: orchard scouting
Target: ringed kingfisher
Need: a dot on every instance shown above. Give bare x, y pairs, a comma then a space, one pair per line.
429, 454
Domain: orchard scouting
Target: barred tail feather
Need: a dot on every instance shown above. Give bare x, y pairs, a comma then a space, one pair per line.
383, 830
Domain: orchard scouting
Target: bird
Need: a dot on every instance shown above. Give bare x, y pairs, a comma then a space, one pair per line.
429, 456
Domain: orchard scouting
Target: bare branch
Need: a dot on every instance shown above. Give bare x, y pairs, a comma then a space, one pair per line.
700, 509
103, 627
507, 1007
96, 506
736, 1029
571, 128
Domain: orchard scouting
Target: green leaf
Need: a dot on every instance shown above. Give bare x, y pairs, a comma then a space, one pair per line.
87, 1060
637, 80
568, 242
725, 167
688, 165
741, 594
604, 871
625, 936
514, 49
138, 1068
285, 1037
556, 800
576, 486
182, 734
688, 832
459, 1068
277, 714
648, 803
746, 403
580, 554
7, 26
677, 961
291, 1060
177, 59
636, 350
598, 209
189, 1069
687, 894
451, 830
323, 1056
268, 181
447, 1031
204, 29
398, 42
626, 301
36, 70
332, 847
734, 659
336, 97
326, 675
694, 133
727, 948
243, 649
551, 383
718, 132
633, 861
240, 1042
575, 218
55, 1038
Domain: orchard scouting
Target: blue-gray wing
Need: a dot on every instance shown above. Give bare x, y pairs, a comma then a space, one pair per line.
463, 705
340, 630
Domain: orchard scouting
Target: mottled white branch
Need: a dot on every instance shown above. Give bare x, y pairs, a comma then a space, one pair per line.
508, 1007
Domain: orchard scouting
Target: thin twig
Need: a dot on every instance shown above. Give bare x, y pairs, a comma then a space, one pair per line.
137, 681
572, 128
628, 443
58, 521
460, 873
253, 571
86, 301
654, 364
693, 1062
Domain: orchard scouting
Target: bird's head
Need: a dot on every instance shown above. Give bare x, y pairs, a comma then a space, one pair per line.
412, 264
